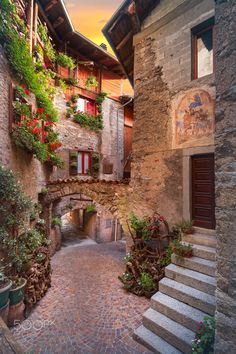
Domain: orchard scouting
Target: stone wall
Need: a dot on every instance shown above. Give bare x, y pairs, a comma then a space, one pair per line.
226, 176
31, 173
162, 74
109, 143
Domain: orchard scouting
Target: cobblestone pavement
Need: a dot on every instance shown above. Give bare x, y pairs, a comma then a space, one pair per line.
86, 310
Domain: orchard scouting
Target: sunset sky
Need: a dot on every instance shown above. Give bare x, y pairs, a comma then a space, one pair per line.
90, 16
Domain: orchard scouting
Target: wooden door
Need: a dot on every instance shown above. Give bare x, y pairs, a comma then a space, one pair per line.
203, 191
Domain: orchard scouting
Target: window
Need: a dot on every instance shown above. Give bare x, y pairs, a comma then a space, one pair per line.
203, 51
85, 105
80, 162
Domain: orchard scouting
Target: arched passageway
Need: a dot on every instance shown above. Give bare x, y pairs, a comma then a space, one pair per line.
83, 219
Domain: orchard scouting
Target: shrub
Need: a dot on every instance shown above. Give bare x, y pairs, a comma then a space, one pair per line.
146, 281
139, 225
89, 121
91, 82
185, 226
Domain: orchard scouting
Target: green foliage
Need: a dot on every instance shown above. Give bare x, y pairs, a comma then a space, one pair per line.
48, 47
146, 281
18, 53
182, 250
65, 61
101, 97
91, 82
56, 221
89, 121
63, 85
15, 212
140, 226
91, 208
70, 81
185, 225
205, 337
44, 190
74, 98
166, 258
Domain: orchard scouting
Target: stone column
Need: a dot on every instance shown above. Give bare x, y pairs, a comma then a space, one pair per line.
226, 176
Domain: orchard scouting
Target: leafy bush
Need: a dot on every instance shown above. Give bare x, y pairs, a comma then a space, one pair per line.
89, 121
139, 225
185, 226
16, 241
146, 281
205, 337
65, 61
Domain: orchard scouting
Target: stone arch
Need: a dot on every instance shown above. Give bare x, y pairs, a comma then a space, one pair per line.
112, 195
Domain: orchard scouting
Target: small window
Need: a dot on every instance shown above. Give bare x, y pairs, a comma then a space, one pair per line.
80, 162
85, 105
203, 51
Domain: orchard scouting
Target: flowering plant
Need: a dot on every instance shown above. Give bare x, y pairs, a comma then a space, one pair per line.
205, 337
35, 133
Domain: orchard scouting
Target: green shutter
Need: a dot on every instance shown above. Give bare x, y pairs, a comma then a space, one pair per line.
73, 162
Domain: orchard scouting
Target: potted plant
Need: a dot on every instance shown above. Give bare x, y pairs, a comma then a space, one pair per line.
147, 283
185, 226
182, 250
91, 208
17, 290
5, 286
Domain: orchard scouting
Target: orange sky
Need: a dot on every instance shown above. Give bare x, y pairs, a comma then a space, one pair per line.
90, 16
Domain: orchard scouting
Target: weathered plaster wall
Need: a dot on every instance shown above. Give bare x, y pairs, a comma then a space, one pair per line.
163, 89
226, 176
30, 172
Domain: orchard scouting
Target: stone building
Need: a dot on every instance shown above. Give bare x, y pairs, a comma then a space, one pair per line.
85, 152
179, 56
167, 54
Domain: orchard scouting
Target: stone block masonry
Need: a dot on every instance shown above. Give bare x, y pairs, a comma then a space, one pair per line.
226, 176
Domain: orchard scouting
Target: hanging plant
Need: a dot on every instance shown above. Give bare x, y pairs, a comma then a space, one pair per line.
65, 61
91, 82
48, 47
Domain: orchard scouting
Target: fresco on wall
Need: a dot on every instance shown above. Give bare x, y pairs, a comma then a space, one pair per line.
194, 119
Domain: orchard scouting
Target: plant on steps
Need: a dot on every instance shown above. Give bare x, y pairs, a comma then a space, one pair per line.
205, 337
182, 250
185, 226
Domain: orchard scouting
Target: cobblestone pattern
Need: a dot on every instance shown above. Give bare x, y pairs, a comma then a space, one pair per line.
226, 176
87, 306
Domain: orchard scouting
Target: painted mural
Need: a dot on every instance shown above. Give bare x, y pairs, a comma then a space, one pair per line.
194, 118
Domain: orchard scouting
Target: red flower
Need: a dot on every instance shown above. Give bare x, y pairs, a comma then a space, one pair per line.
27, 92
40, 110
19, 124
37, 131
23, 86
49, 123
45, 134
60, 144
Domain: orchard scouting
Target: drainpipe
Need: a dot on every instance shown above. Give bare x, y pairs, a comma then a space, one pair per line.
116, 226
122, 107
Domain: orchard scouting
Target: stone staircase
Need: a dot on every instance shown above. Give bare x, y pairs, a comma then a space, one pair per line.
185, 297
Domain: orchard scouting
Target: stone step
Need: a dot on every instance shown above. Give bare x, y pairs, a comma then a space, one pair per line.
200, 239
188, 295
177, 311
153, 342
195, 263
204, 252
199, 281
172, 332
202, 231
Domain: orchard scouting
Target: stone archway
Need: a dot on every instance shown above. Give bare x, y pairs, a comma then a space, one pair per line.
111, 195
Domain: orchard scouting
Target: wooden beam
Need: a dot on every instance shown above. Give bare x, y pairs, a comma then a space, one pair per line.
48, 23
35, 23
30, 19
50, 5
58, 22
134, 17
124, 40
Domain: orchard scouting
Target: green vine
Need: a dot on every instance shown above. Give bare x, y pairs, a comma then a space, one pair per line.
48, 47
13, 36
